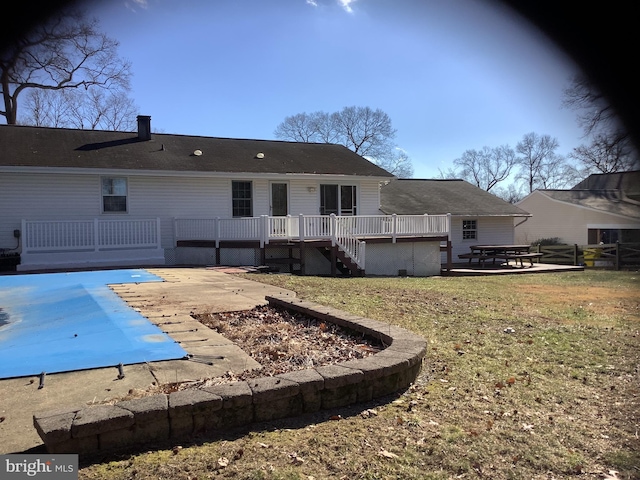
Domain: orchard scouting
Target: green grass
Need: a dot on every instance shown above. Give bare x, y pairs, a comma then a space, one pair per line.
557, 398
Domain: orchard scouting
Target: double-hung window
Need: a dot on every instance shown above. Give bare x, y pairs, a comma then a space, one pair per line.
469, 229
114, 195
241, 199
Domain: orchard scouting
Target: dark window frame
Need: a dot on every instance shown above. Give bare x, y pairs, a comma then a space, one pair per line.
469, 229
114, 199
241, 198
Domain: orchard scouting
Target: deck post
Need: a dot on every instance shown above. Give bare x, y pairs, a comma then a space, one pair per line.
618, 255
264, 233
217, 232
96, 235
24, 235
333, 229
394, 227
289, 229
158, 234
302, 243
334, 261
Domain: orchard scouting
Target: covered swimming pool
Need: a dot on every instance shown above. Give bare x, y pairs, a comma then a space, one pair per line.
61, 322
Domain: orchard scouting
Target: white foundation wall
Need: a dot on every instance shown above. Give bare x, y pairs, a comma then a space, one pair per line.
419, 259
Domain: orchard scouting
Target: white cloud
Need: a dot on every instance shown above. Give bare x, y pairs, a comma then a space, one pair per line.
346, 4
134, 5
313, 3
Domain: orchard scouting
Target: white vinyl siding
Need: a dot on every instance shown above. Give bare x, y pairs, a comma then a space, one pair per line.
42, 197
78, 196
491, 230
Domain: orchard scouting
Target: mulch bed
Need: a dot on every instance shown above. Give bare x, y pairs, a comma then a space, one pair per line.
283, 341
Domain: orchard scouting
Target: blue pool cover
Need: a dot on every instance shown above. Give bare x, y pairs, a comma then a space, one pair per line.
61, 322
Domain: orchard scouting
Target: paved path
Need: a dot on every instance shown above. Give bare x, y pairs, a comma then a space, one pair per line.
168, 304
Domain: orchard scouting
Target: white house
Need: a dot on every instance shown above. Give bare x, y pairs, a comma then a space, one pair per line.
76, 198
477, 216
603, 208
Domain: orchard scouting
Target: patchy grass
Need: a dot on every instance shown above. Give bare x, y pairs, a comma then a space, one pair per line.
527, 376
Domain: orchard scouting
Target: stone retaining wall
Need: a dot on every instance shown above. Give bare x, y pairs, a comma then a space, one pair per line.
181, 414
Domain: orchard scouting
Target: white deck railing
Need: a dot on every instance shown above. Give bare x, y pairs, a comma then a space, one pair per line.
346, 231
89, 235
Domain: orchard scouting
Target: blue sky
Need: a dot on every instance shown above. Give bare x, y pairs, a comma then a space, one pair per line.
452, 74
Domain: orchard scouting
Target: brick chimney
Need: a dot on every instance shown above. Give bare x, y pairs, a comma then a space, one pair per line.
144, 127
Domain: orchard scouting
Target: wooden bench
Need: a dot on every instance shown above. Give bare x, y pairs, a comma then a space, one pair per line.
480, 257
520, 257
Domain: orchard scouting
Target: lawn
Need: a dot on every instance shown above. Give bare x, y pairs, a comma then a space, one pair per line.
526, 376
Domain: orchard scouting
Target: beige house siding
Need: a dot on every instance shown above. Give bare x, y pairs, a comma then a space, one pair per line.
568, 222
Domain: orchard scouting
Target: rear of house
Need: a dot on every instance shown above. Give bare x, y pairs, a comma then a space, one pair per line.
74, 198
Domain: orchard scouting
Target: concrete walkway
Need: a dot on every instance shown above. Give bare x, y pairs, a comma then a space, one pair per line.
168, 304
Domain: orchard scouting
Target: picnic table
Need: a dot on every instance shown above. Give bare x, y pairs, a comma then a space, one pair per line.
518, 253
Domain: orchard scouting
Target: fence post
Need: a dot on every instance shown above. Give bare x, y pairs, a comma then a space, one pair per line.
301, 227
158, 234
96, 235
24, 237
394, 227
264, 227
575, 254
618, 255
216, 233
333, 229
175, 232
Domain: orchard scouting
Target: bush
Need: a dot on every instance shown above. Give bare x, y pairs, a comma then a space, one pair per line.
548, 241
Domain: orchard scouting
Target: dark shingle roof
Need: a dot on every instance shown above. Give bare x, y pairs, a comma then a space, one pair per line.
51, 147
627, 182
436, 197
609, 201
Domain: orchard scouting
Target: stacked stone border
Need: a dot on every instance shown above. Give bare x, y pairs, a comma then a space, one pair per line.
182, 414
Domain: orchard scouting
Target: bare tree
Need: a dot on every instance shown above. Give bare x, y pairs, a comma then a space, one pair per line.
537, 157
397, 163
95, 109
300, 127
46, 108
609, 148
487, 167
512, 193
367, 132
607, 153
66, 52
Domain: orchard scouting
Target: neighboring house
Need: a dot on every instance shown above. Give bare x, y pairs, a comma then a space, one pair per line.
477, 216
76, 198
603, 208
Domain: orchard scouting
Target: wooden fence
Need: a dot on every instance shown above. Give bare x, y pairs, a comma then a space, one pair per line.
612, 255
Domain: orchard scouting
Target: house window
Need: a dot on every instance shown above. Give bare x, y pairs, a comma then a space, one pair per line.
241, 199
469, 229
114, 195
338, 199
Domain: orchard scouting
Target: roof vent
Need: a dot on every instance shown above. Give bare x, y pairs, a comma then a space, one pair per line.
259, 155
197, 153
